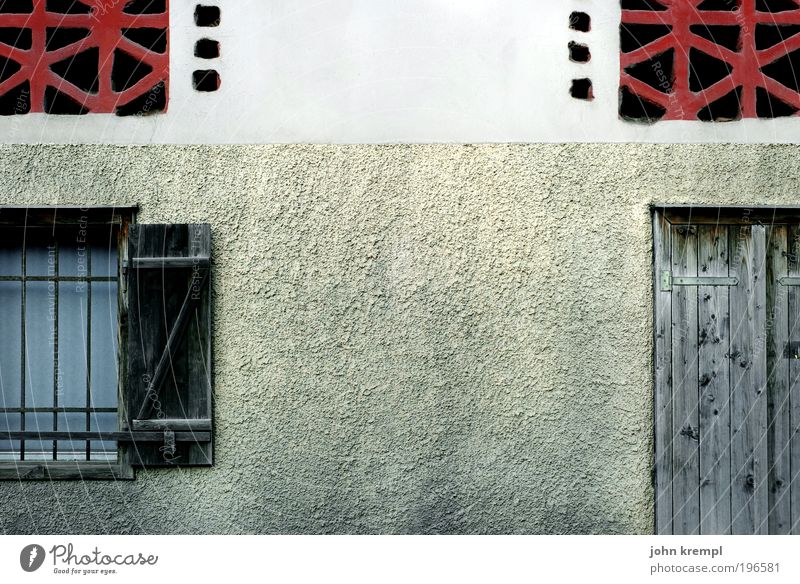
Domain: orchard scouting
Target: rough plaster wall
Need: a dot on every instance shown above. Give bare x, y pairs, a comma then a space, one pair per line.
408, 338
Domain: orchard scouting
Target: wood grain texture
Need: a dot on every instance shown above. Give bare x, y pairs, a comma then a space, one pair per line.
735, 379
777, 337
169, 337
663, 378
714, 382
793, 308
61, 470
749, 479
685, 422
197, 425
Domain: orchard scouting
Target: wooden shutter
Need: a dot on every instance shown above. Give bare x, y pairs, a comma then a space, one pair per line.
168, 381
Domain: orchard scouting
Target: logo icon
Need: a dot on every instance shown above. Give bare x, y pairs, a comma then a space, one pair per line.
31, 557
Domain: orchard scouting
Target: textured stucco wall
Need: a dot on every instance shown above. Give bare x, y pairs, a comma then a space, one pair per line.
408, 338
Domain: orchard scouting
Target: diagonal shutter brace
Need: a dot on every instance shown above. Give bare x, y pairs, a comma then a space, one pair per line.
668, 281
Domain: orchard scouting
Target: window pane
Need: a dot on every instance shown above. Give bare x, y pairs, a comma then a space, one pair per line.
104, 344
72, 343
9, 449
58, 311
39, 449
40, 254
10, 344
105, 450
72, 449
104, 254
39, 328
73, 251
10, 251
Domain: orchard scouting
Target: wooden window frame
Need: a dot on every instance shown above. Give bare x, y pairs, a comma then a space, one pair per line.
121, 469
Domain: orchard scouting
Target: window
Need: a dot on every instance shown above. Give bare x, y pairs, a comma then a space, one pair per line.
727, 389
104, 344
59, 341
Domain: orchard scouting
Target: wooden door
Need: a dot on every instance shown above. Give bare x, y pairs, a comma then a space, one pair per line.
727, 375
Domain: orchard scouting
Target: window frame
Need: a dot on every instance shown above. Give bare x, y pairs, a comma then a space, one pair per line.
44, 216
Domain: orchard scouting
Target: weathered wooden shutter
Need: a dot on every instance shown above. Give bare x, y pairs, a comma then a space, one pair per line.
168, 388
727, 380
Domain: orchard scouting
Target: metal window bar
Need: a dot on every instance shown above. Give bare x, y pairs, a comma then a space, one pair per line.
60, 410
88, 350
59, 278
23, 299
56, 293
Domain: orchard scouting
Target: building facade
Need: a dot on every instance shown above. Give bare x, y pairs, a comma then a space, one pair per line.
433, 293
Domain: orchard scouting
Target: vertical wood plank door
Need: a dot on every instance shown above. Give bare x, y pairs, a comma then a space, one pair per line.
685, 422
726, 325
748, 366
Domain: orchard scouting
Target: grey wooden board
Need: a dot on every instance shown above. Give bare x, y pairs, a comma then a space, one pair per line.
749, 479
138, 436
778, 433
793, 308
197, 425
63, 470
685, 422
169, 262
714, 382
663, 379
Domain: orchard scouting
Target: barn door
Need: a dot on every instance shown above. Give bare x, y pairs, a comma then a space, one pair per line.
726, 377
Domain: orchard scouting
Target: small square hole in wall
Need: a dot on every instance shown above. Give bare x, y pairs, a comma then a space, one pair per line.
207, 15
206, 80
582, 89
580, 21
579, 53
206, 49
